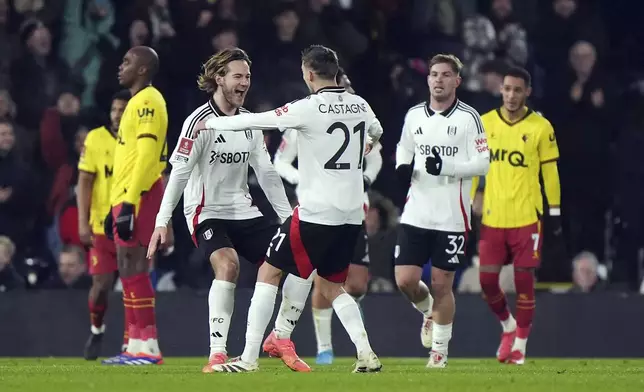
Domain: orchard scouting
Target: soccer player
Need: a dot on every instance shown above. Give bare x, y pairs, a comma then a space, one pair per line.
446, 142
522, 145
212, 172
95, 169
334, 129
358, 276
140, 157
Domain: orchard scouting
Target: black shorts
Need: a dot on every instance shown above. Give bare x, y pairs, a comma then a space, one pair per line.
417, 246
249, 237
299, 248
361, 252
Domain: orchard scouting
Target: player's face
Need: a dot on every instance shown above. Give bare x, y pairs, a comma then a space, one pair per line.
129, 70
116, 112
515, 92
7, 138
236, 83
442, 81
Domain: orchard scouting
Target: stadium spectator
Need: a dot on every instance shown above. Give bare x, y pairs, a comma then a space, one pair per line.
72, 270
586, 274
9, 278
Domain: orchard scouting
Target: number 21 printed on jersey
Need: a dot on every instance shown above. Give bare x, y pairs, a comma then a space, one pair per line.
333, 164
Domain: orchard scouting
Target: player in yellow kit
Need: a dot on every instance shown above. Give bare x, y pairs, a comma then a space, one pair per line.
137, 189
95, 169
522, 144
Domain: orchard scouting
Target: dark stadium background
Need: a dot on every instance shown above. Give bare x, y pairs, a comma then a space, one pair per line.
58, 64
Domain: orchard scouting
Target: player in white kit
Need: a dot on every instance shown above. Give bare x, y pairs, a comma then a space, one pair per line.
358, 276
334, 128
446, 140
211, 170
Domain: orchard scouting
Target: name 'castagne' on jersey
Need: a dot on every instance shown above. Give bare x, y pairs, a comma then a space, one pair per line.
442, 202
333, 128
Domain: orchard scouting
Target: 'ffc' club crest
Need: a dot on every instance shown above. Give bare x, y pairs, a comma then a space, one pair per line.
451, 130
208, 234
249, 134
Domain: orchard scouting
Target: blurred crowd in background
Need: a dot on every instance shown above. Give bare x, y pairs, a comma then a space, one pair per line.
58, 66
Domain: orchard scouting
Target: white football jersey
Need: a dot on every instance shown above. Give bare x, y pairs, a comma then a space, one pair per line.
442, 202
333, 126
212, 171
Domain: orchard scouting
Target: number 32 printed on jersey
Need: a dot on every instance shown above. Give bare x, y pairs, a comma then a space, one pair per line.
333, 164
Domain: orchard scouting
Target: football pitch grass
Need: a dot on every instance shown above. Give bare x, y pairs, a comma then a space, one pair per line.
184, 374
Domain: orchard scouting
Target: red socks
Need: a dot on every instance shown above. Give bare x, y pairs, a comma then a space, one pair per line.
524, 282
140, 304
493, 295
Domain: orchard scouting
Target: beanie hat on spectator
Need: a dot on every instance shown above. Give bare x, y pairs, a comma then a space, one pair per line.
28, 27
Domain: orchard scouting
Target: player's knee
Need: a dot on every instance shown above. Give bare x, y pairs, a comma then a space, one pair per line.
225, 264
406, 283
103, 282
488, 280
355, 288
442, 282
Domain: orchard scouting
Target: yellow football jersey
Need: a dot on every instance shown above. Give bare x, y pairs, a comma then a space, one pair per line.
97, 158
512, 195
141, 151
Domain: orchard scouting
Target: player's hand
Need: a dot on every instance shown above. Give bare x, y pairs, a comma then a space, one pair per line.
159, 237
85, 233
108, 225
477, 204
125, 222
434, 164
555, 222
168, 247
403, 174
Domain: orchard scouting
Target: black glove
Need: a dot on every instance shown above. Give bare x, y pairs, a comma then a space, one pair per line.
434, 164
366, 183
125, 222
403, 174
108, 226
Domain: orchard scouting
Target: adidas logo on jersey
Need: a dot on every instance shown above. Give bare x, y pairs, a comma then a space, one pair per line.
419, 131
220, 139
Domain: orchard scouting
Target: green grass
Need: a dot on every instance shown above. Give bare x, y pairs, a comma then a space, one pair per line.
408, 375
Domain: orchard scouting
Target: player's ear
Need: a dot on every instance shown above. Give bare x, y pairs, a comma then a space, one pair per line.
428, 85
458, 81
219, 80
528, 91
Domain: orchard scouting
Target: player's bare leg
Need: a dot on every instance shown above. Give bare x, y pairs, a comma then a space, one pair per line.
443, 316
524, 281
98, 294
134, 270
221, 303
355, 286
496, 300
349, 314
408, 279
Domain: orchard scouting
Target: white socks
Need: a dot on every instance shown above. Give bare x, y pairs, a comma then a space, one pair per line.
322, 321
260, 312
221, 302
441, 336
519, 344
425, 305
349, 314
295, 291
509, 324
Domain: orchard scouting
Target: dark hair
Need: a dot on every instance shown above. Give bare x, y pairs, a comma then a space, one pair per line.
450, 59
217, 66
123, 95
322, 61
521, 73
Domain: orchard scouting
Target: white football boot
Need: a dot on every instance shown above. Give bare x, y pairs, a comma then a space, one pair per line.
368, 363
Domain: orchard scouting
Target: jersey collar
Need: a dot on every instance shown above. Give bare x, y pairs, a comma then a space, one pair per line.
331, 89
445, 113
216, 110
527, 113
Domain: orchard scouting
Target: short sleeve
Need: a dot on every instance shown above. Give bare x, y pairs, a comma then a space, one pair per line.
87, 161
548, 149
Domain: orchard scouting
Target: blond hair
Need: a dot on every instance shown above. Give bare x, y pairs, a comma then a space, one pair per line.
449, 59
217, 66
8, 245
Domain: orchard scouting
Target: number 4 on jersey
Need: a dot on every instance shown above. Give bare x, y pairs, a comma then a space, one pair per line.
333, 164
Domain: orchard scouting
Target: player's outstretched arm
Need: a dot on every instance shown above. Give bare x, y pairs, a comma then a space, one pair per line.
268, 178
477, 152
284, 157
289, 116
